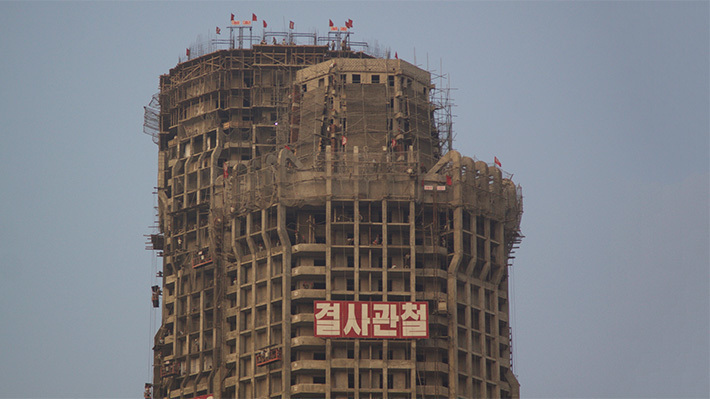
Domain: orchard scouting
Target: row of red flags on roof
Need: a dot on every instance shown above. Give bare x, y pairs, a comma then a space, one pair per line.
291, 24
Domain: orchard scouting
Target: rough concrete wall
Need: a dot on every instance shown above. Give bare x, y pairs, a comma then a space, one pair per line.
312, 114
366, 111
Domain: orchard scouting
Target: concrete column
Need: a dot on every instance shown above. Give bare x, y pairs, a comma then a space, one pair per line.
286, 303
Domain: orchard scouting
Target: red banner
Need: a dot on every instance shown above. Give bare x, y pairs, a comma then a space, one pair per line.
385, 320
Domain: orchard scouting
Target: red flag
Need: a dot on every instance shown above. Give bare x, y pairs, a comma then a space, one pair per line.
232, 18
187, 52
219, 31
349, 23
253, 17
226, 173
395, 55
264, 23
330, 23
291, 24
497, 162
448, 180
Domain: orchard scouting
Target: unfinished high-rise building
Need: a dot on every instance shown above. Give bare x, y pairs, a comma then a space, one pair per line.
305, 184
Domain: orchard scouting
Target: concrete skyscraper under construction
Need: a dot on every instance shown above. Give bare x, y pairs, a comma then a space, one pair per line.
320, 238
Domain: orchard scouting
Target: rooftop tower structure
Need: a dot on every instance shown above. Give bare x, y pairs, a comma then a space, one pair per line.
316, 240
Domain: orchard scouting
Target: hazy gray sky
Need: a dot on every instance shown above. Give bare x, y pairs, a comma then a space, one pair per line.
600, 109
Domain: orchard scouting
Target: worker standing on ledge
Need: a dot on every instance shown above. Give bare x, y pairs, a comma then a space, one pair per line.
155, 297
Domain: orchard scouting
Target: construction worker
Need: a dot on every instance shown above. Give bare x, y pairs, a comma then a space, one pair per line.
155, 296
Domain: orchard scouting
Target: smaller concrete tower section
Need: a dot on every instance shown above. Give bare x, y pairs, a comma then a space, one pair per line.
376, 105
318, 242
